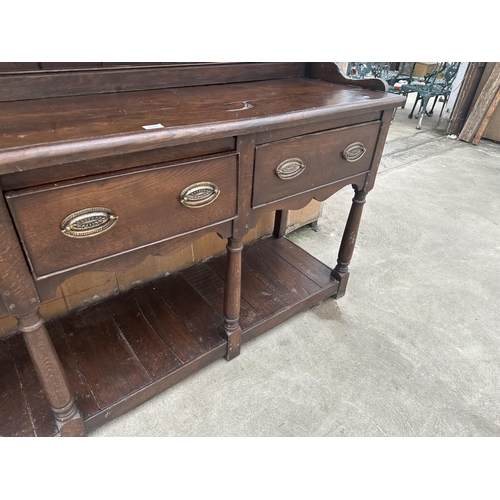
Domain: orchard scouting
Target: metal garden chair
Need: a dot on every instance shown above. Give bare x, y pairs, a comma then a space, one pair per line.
435, 85
403, 74
359, 70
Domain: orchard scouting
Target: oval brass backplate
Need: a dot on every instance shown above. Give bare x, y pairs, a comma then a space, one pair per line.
199, 195
291, 168
354, 151
88, 222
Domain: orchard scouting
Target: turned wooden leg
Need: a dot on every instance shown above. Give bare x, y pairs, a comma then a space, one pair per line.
341, 270
232, 293
51, 375
21, 299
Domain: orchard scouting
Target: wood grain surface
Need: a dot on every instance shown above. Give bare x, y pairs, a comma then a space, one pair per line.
113, 123
123, 351
76, 170
321, 154
146, 203
131, 139
61, 79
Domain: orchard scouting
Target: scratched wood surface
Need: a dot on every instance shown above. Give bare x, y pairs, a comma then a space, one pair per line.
45, 128
53, 120
125, 350
24, 410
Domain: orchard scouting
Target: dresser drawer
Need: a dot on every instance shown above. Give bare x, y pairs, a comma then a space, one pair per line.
67, 225
293, 166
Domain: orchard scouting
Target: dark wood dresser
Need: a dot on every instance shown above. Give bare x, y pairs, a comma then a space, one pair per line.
101, 166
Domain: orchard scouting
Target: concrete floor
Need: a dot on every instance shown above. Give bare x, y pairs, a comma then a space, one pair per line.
412, 349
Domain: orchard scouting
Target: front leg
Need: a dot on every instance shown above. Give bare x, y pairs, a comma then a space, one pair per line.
341, 270
232, 294
22, 301
51, 374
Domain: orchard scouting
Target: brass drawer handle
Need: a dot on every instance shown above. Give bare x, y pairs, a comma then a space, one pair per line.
199, 195
88, 222
291, 168
354, 151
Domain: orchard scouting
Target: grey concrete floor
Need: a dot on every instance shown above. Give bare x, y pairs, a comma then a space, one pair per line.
412, 349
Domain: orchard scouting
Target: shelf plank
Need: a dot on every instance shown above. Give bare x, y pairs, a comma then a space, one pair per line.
169, 327
42, 418
211, 287
309, 266
253, 291
204, 323
107, 361
277, 274
127, 349
84, 398
14, 416
153, 353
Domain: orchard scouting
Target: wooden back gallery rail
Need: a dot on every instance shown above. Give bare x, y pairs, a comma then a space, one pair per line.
103, 164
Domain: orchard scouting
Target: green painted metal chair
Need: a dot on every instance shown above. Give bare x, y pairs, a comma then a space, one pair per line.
360, 70
403, 74
436, 85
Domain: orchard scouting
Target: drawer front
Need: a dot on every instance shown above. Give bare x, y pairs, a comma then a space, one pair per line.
286, 168
73, 224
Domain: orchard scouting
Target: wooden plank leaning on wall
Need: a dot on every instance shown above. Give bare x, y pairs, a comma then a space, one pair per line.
485, 104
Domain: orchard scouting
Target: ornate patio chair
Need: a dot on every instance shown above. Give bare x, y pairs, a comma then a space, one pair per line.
435, 85
359, 70
404, 73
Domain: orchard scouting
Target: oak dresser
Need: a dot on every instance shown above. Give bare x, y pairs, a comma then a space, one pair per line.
103, 165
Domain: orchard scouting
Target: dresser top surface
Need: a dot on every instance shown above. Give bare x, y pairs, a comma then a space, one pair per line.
42, 127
